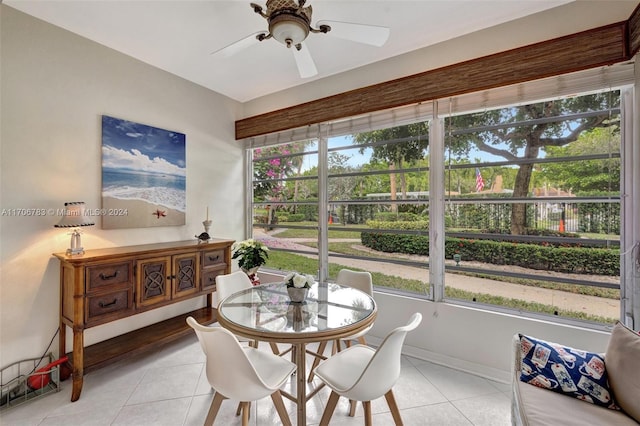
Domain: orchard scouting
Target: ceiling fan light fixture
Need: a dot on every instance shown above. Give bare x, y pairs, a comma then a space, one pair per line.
289, 29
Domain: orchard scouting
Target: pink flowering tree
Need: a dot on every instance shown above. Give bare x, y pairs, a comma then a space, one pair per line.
271, 166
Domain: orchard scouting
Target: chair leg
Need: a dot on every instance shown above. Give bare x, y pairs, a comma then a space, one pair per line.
336, 347
368, 420
276, 397
316, 361
274, 348
239, 409
352, 407
362, 340
246, 407
393, 406
213, 410
329, 409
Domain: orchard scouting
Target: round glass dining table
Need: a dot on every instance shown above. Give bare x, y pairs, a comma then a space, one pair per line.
265, 313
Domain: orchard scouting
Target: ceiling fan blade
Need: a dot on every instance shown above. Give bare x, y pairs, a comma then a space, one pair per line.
361, 33
238, 46
304, 61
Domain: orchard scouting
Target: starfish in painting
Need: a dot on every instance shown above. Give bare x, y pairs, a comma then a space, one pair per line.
159, 213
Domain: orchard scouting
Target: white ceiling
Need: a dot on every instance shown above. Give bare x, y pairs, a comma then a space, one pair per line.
179, 36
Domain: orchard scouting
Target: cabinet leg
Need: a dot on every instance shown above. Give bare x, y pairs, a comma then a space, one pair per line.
78, 364
77, 388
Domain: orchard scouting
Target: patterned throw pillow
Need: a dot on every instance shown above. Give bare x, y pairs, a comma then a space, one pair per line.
566, 370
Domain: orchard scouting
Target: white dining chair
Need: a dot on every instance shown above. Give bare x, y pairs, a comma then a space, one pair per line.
362, 281
226, 285
241, 373
361, 373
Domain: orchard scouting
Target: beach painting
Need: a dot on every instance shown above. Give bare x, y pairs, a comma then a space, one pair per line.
143, 175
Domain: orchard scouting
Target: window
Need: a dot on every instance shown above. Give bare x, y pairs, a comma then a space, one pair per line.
526, 193
532, 210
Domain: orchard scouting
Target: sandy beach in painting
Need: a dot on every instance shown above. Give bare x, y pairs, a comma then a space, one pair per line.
137, 213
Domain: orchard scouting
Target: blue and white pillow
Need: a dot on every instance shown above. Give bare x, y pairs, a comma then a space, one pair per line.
566, 370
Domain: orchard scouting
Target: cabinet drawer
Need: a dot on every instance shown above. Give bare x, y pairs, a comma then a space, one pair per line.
108, 306
213, 257
108, 275
209, 277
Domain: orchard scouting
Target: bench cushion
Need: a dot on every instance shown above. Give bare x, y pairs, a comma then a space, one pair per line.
538, 406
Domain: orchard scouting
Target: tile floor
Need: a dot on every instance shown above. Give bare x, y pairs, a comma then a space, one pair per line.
169, 387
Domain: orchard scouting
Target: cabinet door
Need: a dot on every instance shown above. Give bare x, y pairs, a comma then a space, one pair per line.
186, 274
153, 280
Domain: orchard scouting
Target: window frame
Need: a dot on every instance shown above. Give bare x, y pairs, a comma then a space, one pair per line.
434, 112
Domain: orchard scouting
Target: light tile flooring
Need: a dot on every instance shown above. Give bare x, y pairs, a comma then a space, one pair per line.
169, 387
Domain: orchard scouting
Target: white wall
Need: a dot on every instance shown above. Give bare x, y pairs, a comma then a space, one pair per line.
55, 87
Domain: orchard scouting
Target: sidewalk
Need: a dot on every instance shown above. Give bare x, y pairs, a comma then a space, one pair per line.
609, 308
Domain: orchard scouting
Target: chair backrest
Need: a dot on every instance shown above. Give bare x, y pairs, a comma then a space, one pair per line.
357, 279
229, 370
383, 370
231, 283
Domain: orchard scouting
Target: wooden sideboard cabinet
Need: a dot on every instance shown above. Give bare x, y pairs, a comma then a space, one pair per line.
104, 285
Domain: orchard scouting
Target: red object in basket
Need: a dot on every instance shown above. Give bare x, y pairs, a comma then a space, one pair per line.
38, 379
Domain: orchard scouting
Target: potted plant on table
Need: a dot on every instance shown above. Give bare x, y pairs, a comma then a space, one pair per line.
251, 255
298, 286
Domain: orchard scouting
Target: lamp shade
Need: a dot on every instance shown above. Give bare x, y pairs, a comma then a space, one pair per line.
74, 216
289, 30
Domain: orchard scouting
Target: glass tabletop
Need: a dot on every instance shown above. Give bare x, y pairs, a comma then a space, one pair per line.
265, 312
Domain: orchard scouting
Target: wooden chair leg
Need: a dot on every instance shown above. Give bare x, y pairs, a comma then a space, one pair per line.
213, 410
352, 407
239, 409
393, 406
245, 413
362, 340
276, 397
274, 348
368, 419
330, 408
336, 347
316, 361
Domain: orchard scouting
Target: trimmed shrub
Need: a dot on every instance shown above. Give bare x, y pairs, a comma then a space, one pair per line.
576, 260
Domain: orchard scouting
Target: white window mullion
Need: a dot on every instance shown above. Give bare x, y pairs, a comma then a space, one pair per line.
436, 205
323, 210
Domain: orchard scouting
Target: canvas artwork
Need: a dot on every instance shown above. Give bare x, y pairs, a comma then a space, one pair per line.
143, 175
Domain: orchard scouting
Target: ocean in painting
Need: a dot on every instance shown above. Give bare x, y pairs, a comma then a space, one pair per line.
162, 189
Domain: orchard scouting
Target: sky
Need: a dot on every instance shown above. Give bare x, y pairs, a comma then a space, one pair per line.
138, 147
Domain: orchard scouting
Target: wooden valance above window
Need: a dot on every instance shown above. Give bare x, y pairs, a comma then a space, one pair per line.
588, 49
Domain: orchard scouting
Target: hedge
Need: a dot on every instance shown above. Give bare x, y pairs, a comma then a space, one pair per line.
576, 260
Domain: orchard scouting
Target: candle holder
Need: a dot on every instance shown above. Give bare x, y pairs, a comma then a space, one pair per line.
207, 225
204, 237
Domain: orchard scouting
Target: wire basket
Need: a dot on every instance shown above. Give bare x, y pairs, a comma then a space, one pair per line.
25, 380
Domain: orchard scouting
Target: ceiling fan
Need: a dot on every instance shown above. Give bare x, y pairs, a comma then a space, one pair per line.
290, 23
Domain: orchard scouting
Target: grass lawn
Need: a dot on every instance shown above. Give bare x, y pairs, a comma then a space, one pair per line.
284, 261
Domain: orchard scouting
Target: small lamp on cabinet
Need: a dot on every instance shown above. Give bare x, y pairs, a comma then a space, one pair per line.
75, 217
